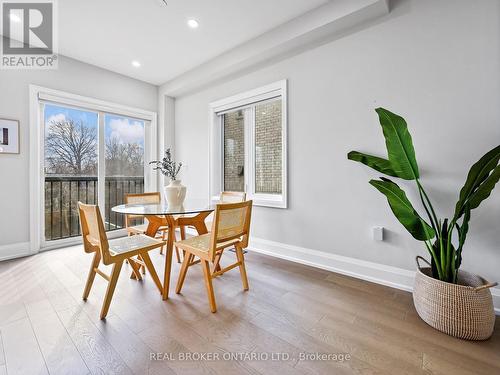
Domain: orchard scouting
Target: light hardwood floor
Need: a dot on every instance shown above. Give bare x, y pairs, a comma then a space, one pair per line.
45, 327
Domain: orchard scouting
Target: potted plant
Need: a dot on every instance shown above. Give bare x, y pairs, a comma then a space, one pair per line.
175, 192
447, 298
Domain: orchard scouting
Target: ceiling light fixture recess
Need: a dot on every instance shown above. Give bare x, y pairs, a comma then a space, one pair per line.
136, 63
192, 23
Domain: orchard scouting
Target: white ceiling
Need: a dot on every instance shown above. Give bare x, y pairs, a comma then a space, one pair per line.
112, 33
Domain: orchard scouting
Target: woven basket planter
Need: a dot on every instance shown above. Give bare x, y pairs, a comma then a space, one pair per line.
464, 310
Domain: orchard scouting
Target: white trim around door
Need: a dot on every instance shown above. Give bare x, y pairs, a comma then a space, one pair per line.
38, 94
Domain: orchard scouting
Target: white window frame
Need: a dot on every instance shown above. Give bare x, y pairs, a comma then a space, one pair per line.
38, 97
240, 101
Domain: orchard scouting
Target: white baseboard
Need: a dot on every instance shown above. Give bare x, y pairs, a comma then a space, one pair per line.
15, 250
375, 272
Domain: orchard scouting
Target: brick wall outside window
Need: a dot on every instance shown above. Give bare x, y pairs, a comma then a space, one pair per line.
268, 149
234, 151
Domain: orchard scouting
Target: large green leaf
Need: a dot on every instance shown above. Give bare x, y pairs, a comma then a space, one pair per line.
403, 209
379, 164
477, 174
401, 153
485, 188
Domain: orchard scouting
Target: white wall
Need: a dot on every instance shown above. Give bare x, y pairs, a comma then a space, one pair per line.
435, 62
71, 76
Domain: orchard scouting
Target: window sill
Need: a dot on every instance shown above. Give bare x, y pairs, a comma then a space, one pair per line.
272, 201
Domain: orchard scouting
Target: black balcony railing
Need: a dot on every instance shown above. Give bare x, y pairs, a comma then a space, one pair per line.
63, 192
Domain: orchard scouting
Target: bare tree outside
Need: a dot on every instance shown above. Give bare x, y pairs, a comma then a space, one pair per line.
124, 159
70, 148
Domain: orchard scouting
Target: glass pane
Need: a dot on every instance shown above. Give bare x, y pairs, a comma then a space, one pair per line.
234, 151
268, 147
70, 167
124, 164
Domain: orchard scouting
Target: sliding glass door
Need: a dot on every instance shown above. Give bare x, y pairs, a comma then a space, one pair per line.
123, 163
90, 156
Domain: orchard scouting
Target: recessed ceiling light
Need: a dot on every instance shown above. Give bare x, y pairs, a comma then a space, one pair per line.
136, 63
192, 23
14, 17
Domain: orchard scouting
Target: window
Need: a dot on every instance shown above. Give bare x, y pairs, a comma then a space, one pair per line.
248, 145
234, 151
89, 151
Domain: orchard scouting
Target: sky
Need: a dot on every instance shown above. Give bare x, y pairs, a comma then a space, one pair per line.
127, 130
53, 112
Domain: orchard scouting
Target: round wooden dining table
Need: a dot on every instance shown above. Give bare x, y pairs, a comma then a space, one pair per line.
191, 213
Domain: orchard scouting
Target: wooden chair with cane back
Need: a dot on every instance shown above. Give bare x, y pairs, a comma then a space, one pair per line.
144, 198
231, 227
227, 197
113, 252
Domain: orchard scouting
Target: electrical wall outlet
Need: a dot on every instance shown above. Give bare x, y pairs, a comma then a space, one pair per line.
378, 233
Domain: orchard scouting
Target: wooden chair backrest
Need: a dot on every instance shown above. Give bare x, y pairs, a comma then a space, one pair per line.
93, 232
232, 196
141, 198
231, 220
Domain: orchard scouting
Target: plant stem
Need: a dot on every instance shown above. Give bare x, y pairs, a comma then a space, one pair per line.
425, 207
436, 225
433, 255
442, 257
428, 244
449, 263
421, 188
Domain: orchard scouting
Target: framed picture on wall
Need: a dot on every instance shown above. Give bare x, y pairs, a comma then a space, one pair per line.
9, 136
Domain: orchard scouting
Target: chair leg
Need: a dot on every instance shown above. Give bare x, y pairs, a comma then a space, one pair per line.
182, 230
141, 267
177, 255
136, 268
208, 284
163, 238
183, 237
151, 268
111, 288
183, 271
91, 277
243, 271
217, 261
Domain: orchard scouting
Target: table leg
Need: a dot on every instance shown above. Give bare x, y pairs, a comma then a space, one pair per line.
168, 255
197, 221
156, 222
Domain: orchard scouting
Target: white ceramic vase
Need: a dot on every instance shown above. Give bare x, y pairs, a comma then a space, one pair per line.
175, 193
